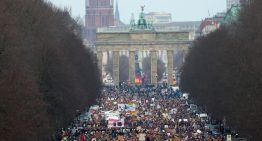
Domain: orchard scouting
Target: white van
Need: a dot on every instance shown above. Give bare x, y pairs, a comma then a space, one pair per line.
108, 80
203, 117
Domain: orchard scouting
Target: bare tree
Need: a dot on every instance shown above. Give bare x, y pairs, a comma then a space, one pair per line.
223, 70
46, 74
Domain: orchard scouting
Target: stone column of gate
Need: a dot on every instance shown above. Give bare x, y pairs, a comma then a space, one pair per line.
116, 67
153, 55
170, 54
99, 55
132, 67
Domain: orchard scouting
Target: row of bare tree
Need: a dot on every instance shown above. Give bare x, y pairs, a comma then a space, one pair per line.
46, 74
223, 72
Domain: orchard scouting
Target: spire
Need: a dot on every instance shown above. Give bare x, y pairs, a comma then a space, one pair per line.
117, 17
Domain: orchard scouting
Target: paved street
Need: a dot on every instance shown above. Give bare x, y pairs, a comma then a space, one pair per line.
143, 113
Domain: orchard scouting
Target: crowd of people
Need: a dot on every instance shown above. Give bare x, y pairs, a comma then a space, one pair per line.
141, 113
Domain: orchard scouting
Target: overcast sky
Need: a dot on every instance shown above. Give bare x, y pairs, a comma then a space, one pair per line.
181, 10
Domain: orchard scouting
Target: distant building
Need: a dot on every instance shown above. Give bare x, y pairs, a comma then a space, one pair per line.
118, 22
209, 25
158, 17
231, 3
231, 15
117, 15
99, 13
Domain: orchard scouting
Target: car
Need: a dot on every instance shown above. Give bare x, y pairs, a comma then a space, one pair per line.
215, 132
192, 108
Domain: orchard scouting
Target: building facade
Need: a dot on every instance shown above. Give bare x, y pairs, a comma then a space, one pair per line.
118, 22
99, 13
158, 17
209, 25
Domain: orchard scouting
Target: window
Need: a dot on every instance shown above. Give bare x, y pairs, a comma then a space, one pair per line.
103, 3
93, 20
104, 21
93, 3
87, 2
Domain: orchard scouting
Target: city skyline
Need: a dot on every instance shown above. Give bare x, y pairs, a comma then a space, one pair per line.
186, 10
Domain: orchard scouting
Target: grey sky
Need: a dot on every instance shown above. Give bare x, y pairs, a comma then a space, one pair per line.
181, 10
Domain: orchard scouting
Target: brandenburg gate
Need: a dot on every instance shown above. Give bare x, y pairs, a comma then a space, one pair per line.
142, 37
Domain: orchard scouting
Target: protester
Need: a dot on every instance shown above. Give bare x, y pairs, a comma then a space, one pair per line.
140, 113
